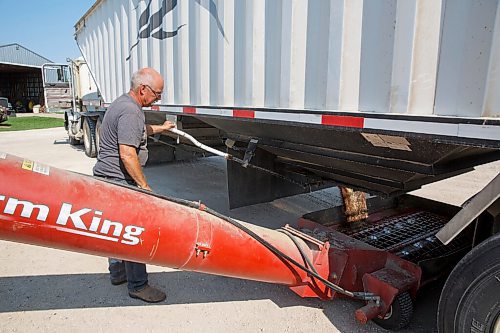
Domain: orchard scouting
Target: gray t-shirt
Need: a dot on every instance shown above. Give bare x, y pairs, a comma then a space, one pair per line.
123, 123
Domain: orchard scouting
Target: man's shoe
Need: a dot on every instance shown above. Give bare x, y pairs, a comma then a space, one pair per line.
118, 280
148, 294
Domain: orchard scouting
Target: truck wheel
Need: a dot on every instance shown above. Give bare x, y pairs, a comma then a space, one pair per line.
470, 300
399, 314
89, 137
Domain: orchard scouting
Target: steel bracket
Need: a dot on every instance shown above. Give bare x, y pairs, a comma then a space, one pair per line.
249, 152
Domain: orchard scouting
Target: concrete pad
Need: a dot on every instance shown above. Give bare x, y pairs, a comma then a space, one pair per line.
50, 290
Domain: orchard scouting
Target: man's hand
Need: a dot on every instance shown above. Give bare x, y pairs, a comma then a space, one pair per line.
155, 129
145, 187
167, 125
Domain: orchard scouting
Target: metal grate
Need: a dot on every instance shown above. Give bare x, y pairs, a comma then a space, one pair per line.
394, 232
410, 236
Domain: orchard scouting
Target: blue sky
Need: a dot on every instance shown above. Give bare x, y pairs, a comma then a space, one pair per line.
45, 27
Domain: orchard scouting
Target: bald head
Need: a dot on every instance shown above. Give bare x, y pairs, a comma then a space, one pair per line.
147, 76
146, 86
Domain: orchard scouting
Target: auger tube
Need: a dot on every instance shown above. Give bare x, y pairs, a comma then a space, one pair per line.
45, 206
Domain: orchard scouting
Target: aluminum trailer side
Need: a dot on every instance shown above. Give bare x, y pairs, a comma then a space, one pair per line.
382, 96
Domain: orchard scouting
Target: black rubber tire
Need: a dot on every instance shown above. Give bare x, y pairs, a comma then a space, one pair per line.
98, 134
89, 135
399, 314
470, 300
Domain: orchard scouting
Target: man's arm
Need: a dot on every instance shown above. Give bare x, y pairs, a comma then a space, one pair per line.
155, 129
128, 156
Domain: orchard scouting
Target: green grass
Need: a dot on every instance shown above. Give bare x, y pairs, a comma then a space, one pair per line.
29, 123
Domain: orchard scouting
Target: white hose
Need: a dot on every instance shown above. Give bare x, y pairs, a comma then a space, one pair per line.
199, 144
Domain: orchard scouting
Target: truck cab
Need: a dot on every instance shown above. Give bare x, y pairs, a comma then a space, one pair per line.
71, 89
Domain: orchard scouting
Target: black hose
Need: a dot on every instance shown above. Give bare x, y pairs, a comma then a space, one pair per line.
360, 295
301, 250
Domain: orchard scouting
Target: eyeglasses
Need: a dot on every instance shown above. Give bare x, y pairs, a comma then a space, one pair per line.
156, 93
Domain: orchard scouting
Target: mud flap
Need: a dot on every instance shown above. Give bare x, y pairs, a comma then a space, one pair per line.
248, 186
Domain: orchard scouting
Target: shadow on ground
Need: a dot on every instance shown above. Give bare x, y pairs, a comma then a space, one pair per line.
79, 147
30, 293
79, 291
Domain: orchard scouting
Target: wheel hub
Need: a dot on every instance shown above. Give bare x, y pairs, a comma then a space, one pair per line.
387, 315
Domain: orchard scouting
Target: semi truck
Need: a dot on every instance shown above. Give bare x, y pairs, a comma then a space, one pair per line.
70, 88
378, 96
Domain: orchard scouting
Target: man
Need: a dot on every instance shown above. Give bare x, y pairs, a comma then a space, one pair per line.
122, 153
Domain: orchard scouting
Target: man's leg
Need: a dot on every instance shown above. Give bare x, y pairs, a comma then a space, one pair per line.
138, 286
135, 273
117, 271
116, 267
137, 276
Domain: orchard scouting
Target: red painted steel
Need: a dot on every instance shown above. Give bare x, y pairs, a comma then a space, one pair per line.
357, 266
79, 213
